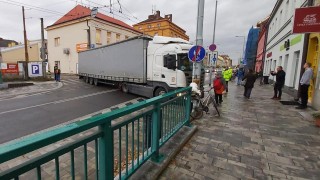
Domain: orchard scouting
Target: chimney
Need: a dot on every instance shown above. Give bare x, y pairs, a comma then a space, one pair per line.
157, 14
151, 17
169, 17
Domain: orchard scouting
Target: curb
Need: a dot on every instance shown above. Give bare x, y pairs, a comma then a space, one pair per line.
151, 170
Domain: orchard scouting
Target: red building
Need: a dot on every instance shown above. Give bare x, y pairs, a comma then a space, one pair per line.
261, 44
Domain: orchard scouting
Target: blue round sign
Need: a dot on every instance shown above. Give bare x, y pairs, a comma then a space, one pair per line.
196, 53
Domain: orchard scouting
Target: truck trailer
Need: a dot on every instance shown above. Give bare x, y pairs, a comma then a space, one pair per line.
140, 65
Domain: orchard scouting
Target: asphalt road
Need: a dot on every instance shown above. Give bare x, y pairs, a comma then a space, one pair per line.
32, 113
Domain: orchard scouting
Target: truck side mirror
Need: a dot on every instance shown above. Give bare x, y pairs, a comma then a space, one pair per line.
170, 62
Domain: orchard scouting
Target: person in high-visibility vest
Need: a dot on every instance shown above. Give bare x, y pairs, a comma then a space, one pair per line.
227, 75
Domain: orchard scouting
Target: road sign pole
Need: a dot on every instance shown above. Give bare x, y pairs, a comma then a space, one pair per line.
199, 42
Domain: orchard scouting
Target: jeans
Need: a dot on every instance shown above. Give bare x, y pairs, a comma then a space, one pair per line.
239, 80
277, 88
304, 94
58, 77
247, 92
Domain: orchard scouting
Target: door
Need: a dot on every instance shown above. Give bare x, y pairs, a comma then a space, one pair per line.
295, 67
314, 60
169, 76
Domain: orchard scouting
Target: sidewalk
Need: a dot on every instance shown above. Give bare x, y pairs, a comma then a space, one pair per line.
35, 88
253, 139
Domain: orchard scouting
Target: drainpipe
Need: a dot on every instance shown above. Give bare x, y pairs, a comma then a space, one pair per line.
89, 35
304, 55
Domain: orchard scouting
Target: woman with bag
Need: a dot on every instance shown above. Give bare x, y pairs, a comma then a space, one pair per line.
250, 79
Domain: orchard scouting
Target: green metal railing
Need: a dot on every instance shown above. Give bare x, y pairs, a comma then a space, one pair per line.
107, 146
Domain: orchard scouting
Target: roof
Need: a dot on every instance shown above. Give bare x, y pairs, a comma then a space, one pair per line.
79, 12
5, 42
19, 46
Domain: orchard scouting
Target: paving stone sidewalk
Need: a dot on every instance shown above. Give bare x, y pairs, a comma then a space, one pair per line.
257, 138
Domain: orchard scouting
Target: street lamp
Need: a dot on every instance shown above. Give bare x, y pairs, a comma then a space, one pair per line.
244, 41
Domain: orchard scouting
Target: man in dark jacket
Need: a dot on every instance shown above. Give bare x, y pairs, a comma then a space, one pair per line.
280, 78
250, 79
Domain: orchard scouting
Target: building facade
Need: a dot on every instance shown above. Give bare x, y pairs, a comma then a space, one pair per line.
313, 57
17, 52
77, 31
282, 47
157, 25
251, 48
261, 44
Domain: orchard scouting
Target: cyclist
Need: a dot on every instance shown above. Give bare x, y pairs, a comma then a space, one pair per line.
219, 85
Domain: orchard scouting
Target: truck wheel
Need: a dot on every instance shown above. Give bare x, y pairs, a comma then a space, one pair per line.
95, 81
124, 88
91, 81
159, 91
86, 79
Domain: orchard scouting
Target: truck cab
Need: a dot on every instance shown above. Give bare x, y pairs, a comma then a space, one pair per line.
168, 64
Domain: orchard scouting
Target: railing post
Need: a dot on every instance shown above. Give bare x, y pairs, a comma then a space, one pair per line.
106, 153
155, 143
188, 107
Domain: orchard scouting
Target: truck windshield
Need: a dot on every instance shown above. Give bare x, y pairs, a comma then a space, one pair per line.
183, 62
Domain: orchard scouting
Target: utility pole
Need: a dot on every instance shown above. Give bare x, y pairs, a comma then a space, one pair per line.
199, 42
25, 45
43, 50
213, 41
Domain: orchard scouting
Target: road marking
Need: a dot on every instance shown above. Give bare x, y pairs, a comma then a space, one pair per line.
59, 101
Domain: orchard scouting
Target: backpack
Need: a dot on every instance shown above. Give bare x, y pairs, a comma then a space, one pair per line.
217, 84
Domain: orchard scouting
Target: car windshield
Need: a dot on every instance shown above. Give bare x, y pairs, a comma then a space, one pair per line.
183, 62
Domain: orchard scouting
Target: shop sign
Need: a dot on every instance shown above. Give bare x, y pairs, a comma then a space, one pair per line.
307, 20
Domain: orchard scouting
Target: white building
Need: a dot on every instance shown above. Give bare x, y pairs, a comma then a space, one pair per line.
69, 35
284, 48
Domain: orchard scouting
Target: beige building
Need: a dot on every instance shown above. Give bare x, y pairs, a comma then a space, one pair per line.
17, 53
69, 35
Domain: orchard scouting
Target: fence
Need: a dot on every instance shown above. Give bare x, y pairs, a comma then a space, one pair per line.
108, 146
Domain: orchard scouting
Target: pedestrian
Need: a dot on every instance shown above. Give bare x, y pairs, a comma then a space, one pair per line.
227, 75
219, 85
240, 75
304, 85
58, 75
280, 78
55, 70
250, 79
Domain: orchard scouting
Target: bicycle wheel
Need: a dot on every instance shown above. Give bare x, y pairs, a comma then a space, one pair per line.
196, 111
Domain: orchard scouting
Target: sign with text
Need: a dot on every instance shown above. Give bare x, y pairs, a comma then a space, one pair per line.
81, 47
35, 69
9, 68
307, 20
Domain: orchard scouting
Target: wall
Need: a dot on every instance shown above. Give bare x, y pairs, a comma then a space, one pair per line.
17, 53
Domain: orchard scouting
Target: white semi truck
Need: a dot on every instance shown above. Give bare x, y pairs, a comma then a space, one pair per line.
141, 65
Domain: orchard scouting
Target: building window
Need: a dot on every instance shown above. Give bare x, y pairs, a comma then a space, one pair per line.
126, 37
98, 36
108, 37
149, 26
156, 33
159, 25
140, 27
57, 41
117, 37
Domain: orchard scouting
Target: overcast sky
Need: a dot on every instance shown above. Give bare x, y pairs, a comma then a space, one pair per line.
235, 17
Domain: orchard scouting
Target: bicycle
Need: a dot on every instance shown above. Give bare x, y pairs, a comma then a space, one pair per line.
198, 105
